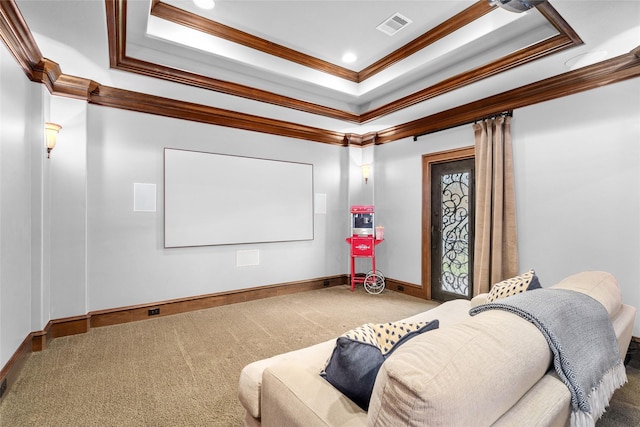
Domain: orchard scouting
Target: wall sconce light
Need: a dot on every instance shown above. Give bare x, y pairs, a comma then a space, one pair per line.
365, 172
51, 133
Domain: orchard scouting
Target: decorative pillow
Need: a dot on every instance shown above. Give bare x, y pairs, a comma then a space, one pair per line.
524, 282
359, 353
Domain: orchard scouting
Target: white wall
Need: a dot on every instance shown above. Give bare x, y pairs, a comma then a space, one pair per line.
578, 186
127, 263
70, 242
66, 175
577, 166
18, 97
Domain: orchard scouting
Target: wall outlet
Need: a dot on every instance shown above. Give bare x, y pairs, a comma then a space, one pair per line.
154, 311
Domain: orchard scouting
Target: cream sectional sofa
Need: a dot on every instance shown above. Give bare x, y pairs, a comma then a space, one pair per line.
489, 369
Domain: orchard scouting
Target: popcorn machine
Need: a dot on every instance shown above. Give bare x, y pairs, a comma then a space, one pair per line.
365, 236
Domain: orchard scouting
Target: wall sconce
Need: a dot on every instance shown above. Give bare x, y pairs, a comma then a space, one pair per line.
365, 172
51, 133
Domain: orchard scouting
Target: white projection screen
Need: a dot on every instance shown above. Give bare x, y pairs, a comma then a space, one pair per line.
217, 199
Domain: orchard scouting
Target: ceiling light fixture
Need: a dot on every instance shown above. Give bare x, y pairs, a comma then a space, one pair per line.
349, 57
585, 59
205, 4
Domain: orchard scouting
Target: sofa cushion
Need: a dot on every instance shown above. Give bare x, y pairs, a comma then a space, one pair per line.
515, 285
316, 356
359, 353
250, 384
599, 285
295, 395
466, 374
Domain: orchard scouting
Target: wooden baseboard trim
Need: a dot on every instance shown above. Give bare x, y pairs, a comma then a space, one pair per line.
12, 368
38, 341
69, 326
182, 305
405, 288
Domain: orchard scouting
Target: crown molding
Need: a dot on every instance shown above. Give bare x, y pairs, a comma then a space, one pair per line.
197, 22
181, 17
16, 35
145, 103
614, 70
18, 39
116, 23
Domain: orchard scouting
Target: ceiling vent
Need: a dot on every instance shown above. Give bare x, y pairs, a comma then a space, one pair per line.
516, 5
394, 24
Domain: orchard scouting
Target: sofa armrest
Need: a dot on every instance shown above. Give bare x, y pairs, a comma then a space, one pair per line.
295, 396
478, 300
549, 399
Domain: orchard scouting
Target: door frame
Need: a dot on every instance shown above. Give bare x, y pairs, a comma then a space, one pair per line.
428, 160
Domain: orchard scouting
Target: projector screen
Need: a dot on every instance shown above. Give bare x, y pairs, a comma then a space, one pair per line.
217, 199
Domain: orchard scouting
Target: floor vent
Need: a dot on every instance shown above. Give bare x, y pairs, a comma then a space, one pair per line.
394, 24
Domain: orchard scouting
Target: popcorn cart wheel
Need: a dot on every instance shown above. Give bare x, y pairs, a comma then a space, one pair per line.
374, 282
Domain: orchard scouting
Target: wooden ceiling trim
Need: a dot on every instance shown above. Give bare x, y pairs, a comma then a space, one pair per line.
472, 13
16, 35
611, 71
563, 27
467, 16
116, 30
49, 73
505, 63
145, 103
184, 77
116, 22
197, 22
191, 20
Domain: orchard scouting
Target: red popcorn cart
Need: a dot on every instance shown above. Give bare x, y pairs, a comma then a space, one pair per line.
364, 238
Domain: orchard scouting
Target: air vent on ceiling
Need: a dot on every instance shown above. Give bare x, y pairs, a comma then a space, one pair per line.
394, 24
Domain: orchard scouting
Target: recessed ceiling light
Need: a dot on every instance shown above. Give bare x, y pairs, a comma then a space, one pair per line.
585, 59
205, 4
349, 57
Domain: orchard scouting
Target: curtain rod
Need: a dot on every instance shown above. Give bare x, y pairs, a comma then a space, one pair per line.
508, 113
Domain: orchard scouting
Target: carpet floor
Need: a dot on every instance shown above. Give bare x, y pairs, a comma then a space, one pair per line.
183, 370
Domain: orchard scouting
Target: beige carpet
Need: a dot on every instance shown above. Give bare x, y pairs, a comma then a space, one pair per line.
183, 370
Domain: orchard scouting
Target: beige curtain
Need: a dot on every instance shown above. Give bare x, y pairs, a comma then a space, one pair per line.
496, 250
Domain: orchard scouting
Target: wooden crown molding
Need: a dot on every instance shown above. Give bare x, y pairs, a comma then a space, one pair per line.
18, 38
16, 35
116, 22
458, 21
116, 28
49, 73
135, 101
607, 72
197, 22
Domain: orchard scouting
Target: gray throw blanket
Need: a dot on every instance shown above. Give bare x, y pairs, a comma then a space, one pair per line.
584, 346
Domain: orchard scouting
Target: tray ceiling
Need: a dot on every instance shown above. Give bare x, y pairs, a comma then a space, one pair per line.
283, 58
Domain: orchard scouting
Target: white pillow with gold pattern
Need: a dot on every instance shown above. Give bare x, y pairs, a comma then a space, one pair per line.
515, 285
